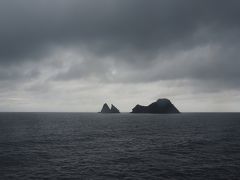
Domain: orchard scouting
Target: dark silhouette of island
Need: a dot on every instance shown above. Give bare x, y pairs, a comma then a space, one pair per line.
114, 109
106, 109
161, 106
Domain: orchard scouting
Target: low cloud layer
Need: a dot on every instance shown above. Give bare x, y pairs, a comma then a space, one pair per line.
87, 52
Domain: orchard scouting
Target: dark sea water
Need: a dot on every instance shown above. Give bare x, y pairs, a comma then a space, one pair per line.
119, 146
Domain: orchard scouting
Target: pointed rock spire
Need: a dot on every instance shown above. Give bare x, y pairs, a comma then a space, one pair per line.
114, 109
105, 109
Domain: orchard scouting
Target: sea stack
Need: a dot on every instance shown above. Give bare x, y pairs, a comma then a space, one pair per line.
161, 106
114, 109
106, 109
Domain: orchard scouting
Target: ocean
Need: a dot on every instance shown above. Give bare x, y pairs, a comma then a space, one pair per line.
119, 146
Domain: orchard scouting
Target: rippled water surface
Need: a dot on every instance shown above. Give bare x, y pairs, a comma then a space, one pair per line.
119, 146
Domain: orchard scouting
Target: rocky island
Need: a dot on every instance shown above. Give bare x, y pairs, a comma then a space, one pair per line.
161, 106
106, 109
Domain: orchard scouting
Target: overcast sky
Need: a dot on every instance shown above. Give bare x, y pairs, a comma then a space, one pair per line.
75, 55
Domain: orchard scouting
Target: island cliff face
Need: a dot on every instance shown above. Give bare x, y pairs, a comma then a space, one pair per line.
114, 109
161, 106
106, 109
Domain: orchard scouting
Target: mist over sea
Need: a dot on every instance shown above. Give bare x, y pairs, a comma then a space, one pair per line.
119, 146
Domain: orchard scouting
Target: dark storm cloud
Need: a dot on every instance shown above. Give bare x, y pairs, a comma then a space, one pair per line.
130, 32
27, 27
